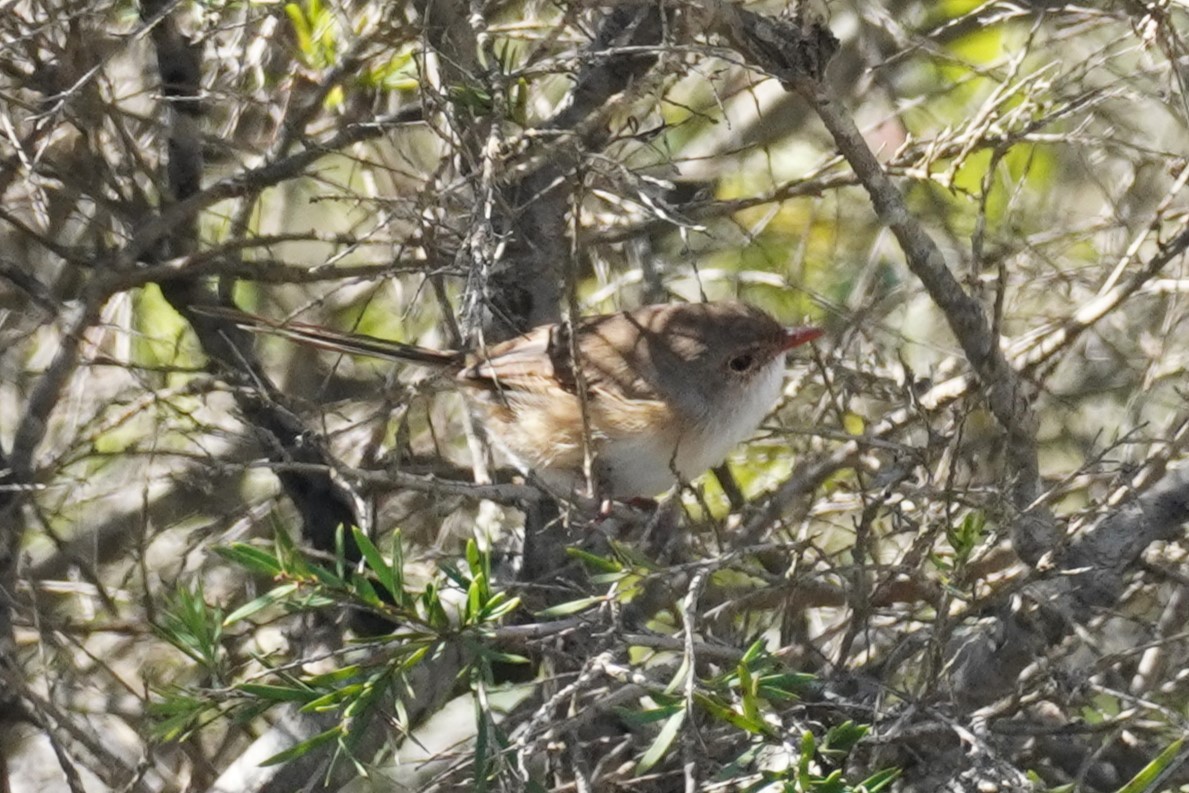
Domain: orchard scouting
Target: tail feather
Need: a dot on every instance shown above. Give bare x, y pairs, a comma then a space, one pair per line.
326, 339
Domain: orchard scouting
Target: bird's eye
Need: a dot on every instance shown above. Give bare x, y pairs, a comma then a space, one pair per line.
741, 363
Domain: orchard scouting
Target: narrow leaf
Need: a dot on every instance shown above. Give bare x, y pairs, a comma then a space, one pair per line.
661, 745
597, 562
269, 598
573, 607
880, 780
251, 558
305, 746
275, 693
375, 561
1151, 773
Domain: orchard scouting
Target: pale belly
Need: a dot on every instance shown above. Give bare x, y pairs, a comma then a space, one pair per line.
646, 464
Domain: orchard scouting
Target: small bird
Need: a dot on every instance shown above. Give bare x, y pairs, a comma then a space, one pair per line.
657, 396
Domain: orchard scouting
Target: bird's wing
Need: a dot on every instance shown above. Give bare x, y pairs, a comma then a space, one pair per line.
543, 358
538, 368
520, 364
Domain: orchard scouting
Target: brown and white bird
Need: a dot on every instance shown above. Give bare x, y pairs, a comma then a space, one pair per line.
664, 391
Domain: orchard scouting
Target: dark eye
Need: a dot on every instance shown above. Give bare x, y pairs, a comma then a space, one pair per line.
741, 363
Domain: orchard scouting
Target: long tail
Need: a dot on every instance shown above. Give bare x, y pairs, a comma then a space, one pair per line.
353, 343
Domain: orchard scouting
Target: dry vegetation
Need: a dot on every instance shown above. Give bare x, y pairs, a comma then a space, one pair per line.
953, 559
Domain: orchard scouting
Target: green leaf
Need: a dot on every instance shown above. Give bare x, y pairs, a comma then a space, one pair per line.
739, 767
661, 744
878, 781
785, 686
499, 657
730, 715
340, 552
333, 734
499, 605
518, 110
595, 561
176, 714
606, 579
193, 627
843, 737
396, 552
335, 677
275, 693
454, 575
474, 599
475, 559
415, 654
572, 607
1150, 774
833, 783
363, 589
161, 337
435, 613
288, 554
635, 557
275, 595
374, 561
965, 537
747, 690
753, 653
808, 749
470, 97
373, 691
398, 73
324, 575
301, 27
317, 32
333, 699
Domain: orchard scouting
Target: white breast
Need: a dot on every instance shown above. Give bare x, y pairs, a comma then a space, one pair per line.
645, 466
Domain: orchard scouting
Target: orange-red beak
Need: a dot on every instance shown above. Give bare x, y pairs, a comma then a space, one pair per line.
795, 337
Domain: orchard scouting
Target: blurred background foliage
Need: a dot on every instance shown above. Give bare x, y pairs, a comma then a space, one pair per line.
163, 603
